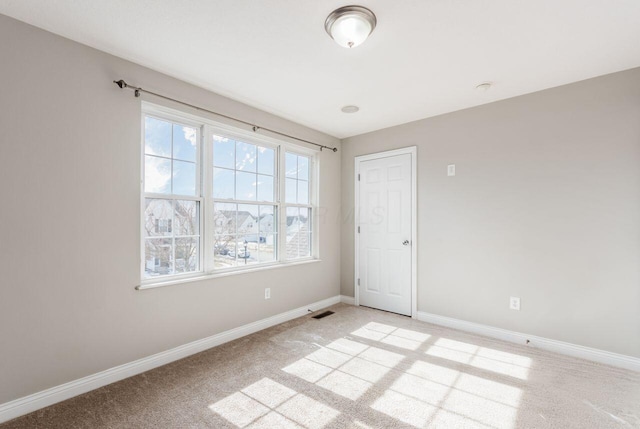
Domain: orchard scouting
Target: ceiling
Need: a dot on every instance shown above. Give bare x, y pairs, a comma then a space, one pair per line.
424, 58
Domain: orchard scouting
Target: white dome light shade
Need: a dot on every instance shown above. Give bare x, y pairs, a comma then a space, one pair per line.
349, 26
350, 31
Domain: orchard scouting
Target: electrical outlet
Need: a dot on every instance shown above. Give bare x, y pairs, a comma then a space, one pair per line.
514, 303
267, 293
451, 170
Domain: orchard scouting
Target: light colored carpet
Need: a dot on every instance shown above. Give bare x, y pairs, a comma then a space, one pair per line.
360, 368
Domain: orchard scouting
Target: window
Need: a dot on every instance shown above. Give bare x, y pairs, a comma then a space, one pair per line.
171, 202
245, 206
217, 199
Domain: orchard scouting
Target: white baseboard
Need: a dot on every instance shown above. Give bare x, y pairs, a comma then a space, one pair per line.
347, 300
596, 355
30, 403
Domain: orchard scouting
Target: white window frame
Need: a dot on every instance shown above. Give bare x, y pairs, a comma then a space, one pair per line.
209, 132
180, 120
312, 197
207, 128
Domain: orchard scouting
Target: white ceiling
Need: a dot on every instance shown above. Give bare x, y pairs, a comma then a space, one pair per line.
424, 58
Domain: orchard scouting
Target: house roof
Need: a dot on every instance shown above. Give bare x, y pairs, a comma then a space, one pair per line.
242, 215
292, 219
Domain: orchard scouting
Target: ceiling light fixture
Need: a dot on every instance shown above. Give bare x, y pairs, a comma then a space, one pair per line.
350, 109
350, 26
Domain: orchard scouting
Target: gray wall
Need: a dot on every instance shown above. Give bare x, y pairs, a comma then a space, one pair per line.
545, 206
70, 229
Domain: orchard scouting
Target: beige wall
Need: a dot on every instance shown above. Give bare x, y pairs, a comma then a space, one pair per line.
545, 206
69, 222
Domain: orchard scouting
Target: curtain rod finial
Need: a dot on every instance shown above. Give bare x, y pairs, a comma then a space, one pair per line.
121, 83
335, 149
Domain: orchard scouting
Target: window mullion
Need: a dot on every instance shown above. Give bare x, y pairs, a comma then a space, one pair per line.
207, 193
282, 207
248, 202
314, 187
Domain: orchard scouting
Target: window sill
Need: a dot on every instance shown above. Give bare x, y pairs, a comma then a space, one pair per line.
200, 276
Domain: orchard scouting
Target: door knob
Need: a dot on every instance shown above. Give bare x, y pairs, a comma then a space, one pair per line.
405, 243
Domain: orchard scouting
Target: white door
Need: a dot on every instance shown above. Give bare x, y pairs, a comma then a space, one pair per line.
384, 207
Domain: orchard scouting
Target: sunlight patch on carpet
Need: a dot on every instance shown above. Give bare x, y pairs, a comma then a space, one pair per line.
269, 404
481, 357
387, 334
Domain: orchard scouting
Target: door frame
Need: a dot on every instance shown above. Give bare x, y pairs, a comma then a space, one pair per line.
413, 151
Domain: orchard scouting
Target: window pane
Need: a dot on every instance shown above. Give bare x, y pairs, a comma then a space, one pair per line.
303, 168
293, 229
291, 165
290, 190
303, 192
224, 253
265, 188
245, 186
186, 218
247, 228
293, 212
224, 152
158, 215
266, 161
304, 251
298, 232
185, 143
224, 218
245, 157
292, 245
267, 249
187, 258
221, 245
158, 254
246, 252
305, 218
223, 183
157, 137
157, 175
267, 223
184, 178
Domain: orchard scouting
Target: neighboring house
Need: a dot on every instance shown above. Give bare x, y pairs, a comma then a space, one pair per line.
266, 224
226, 222
298, 239
266, 229
294, 223
233, 227
298, 242
161, 224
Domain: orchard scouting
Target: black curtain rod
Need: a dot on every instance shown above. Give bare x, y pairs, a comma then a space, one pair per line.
138, 91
